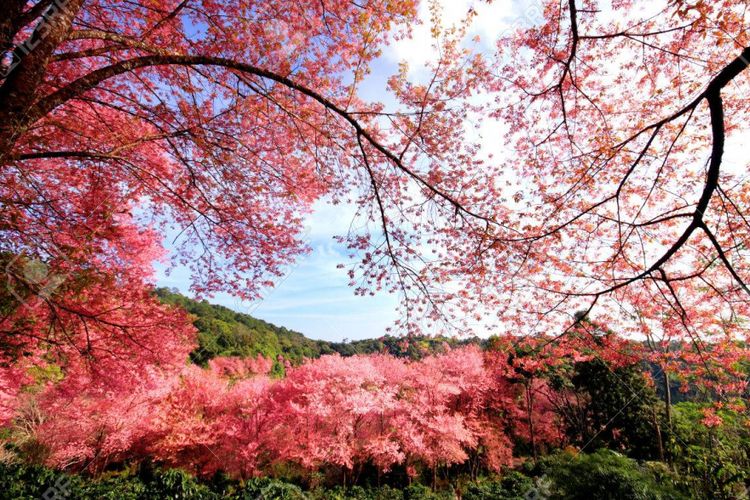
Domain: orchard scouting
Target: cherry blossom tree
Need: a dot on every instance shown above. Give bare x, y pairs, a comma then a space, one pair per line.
224, 121
331, 413
623, 118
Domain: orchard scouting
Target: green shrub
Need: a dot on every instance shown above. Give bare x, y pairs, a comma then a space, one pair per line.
513, 485
387, 493
604, 474
270, 489
175, 484
714, 462
357, 493
419, 491
33, 482
115, 488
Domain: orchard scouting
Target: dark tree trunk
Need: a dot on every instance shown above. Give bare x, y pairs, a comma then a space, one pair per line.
530, 412
18, 91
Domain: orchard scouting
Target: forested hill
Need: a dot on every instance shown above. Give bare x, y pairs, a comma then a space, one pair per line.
224, 332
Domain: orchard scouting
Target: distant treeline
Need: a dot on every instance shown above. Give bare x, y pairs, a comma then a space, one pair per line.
224, 332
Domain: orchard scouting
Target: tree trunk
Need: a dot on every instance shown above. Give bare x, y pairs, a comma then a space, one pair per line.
668, 410
659, 439
30, 59
668, 400
358, 468
530, 411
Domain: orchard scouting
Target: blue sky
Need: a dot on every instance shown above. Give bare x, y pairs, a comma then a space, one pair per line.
314, 297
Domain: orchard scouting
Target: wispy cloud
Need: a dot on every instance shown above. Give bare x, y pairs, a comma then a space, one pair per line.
314, 298
418, 50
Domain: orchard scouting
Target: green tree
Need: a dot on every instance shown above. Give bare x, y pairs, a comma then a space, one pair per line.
614, 408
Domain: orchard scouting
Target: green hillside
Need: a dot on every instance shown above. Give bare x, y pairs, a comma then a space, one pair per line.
224, 332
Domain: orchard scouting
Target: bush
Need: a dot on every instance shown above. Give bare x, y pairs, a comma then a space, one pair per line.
512, 485
19, 481
358, 493
418, 491
34, 482
175, 484
270, 489
116, 487
604, 474
387, 493
601, 475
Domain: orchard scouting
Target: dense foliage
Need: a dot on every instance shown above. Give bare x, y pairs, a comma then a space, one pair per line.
445, 420
604, 474
342, 414
451, 418
223, 332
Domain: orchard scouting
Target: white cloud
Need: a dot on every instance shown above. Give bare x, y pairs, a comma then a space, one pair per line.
418, 50
328, 220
